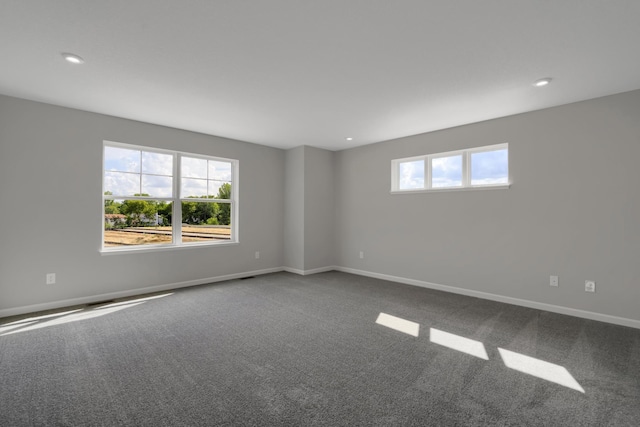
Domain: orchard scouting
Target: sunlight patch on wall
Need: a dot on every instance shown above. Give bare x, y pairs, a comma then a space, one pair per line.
539, 368
456, 342
398, 324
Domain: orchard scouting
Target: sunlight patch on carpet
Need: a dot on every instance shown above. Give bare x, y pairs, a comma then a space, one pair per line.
456, 342
398, 324
46, 316
75, 317
539, 368
127, 302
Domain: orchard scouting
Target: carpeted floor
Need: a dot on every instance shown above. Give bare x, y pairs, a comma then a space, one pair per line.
283, 349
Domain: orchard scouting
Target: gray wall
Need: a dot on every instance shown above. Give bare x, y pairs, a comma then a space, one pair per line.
294, 209
309, 209
573, 210
50, 183
319, 208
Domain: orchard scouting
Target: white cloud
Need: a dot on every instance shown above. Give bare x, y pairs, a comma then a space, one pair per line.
121, 159
446, 172
122, 183
411, 175
157, 186
220, 171
157, 163
193, 168
193, 187
490, 167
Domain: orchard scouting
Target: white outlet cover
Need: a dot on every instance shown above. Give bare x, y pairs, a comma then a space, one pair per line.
589, 286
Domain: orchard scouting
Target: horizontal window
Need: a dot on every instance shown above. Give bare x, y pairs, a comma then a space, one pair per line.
490, 167
411, 174
144, 189
481, 167
446, 171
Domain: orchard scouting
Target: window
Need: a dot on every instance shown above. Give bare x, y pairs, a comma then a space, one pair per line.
490, 167
156, 198
411, 174
446, 171
482, 167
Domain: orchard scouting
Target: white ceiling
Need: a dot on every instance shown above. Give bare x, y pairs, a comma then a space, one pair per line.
286, 73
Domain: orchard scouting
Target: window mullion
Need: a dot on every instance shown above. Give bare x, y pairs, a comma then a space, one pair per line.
235, 200
395, 175
208, 180
465, 169
428, 172
140, 173
176, 223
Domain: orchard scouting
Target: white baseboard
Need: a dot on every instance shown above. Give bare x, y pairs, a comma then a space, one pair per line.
499, 298
128, 293
461, 291
307, 272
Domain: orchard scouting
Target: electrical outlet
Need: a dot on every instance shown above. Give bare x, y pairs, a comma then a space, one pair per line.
257, 254
553, 281
589, 286
51, 278
361, 255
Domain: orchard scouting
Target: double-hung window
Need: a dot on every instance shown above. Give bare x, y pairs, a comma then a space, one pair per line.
482, 167
154, 198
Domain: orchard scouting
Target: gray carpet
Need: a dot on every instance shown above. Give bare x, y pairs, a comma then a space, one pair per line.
283, 349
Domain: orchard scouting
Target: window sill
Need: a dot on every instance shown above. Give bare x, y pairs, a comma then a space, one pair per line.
451, 189
161, 248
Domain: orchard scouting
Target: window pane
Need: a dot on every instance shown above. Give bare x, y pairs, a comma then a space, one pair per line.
194, 188
205, 221
411, 175
220, 171
194, 168
121, 159
157, 163
122, 183
446, 172
490, 167
137, 222
157, 186
219, 189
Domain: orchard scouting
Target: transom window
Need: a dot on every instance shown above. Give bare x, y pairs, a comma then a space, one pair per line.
482, 167
153, 198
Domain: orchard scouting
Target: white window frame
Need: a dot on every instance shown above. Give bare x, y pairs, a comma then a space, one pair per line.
466, 171
176, 201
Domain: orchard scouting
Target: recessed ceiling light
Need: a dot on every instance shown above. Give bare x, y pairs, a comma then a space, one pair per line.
542, 82
74, 59
349, 138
